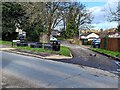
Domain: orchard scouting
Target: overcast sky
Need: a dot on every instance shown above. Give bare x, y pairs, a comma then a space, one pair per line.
100, 12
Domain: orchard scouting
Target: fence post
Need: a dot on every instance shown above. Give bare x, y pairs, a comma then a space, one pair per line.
105, 42
12, 43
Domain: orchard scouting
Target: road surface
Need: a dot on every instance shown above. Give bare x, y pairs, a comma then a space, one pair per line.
82, 57
20, 71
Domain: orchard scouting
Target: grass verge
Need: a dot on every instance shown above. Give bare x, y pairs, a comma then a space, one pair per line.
5, 42
63, 50
108, 52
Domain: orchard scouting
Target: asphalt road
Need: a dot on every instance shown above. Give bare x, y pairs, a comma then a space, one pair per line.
20, 71
81, 56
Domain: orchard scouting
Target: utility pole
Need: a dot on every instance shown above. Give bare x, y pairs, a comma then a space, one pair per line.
79, 34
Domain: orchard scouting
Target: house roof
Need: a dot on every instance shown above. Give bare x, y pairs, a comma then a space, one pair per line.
86, 34
111, 33
55, 32
92, 38
91, 30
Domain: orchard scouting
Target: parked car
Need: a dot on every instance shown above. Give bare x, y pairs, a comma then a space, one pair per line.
53, 39
96, 43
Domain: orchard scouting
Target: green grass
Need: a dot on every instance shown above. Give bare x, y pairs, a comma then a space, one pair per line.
5, 42
108, 52
32, 49
63, 50
61, 38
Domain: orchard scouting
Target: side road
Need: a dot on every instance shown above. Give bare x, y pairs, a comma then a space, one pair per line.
81, 56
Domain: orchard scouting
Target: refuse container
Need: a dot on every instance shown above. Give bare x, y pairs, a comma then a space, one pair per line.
53, 45
38, 44
32, 45
18, 43
56, 45
57, 48
48, 46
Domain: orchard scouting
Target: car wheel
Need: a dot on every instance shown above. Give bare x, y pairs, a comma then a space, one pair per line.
96, 46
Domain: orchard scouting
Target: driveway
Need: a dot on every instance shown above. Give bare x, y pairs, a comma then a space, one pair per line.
20, 71
81, 56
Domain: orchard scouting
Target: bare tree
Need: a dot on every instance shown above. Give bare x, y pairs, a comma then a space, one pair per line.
75, 16
53, 14
114, 15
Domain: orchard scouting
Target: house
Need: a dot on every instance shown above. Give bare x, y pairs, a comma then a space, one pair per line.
111, 33
114, 35
91, 30
89, 36
107, 32
55, 33
20, 32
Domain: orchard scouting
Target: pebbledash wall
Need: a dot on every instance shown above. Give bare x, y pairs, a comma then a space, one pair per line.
112, 44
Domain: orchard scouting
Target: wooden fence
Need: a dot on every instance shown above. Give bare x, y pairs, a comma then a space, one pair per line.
112, 44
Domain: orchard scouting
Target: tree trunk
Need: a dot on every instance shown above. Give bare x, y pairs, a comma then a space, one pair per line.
49, 32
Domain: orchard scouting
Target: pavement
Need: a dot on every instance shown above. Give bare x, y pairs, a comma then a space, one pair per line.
19, 71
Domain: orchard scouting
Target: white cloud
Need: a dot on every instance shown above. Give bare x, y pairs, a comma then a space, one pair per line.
105, 25
95, 0
101, 13
98, 14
